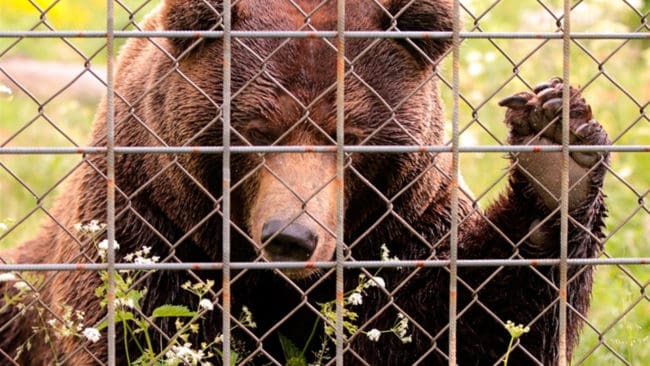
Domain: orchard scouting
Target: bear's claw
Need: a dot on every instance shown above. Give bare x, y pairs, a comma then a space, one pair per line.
539, 114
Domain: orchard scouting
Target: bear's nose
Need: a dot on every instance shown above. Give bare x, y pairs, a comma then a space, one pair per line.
288, 242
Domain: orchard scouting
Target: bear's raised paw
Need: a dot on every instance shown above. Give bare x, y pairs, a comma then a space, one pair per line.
534, 118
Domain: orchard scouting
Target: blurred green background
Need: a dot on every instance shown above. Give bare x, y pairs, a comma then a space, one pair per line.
63, 83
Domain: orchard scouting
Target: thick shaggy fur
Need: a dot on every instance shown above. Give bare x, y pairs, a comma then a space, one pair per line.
172, 202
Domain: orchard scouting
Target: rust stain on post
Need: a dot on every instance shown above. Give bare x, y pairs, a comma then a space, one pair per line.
339, 182
453, 295
339, 296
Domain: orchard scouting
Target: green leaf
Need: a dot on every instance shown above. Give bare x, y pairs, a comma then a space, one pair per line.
292, 353
172, 311
119, 317
234, 358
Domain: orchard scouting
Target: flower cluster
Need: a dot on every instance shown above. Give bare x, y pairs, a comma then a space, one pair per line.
102, 248
246, 318
142, 256
185, 355
374, 334
200, 289
92, 334
516, 331
355, 298
384, 254
71, 324
206, 305
399, 329
7, 277
23, 287
92, 228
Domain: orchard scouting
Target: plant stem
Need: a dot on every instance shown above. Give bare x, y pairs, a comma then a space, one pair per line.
48, 338
311, 336
126, 342
505, 360
145, 328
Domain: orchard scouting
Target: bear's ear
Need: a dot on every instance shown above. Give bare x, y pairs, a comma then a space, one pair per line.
422, 15
194, 15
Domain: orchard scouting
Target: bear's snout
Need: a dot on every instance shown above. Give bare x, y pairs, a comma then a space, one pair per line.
288, 241
293, 215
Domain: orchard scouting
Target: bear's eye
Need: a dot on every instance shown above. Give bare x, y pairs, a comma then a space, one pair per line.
352, 136
258, 133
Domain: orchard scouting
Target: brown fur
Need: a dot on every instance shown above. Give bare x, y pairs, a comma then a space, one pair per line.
284, 94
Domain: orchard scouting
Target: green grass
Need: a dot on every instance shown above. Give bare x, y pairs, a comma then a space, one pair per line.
619, 311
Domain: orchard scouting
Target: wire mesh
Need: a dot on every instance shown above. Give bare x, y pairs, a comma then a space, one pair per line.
41, 154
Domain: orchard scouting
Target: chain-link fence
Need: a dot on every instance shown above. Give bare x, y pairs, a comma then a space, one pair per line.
277, 182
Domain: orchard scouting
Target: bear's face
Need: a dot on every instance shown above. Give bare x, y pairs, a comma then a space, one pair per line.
284, 93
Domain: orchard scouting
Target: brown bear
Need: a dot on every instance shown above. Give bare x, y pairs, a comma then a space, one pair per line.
169, 92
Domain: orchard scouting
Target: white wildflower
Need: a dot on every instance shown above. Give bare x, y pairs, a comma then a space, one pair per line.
22, 286
373, 334
8, 276
94, 226
144, 260
145, 250
355, 298
3, 227
92, 334
184, 354
127, 303
375, 281
206, 304
407, 339
103, 245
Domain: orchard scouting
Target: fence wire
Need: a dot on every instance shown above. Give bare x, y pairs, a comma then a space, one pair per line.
40, 151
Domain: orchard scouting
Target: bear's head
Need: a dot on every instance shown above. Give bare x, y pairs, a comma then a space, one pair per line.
283, 93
